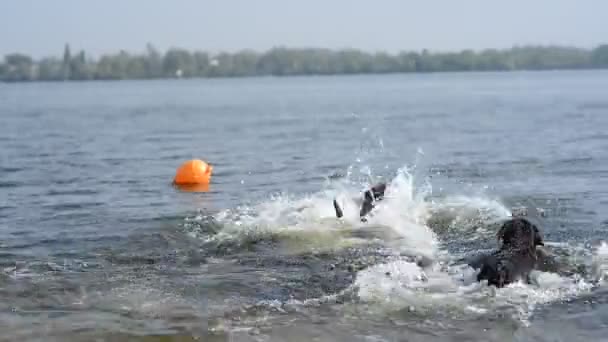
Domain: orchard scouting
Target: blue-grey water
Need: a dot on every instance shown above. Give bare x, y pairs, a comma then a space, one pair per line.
96, 244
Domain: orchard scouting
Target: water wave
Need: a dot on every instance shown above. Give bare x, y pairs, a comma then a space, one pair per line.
415, 226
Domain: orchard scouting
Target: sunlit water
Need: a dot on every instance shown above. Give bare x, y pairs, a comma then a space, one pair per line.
95, 243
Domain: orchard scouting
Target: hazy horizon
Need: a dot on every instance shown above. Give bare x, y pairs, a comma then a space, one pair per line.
42, 28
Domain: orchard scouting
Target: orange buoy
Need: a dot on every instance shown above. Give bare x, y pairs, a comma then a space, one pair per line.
193, 172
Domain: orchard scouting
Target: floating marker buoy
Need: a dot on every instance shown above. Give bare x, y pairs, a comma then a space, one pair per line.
193, 172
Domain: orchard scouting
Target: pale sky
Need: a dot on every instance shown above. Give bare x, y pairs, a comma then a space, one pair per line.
42, 27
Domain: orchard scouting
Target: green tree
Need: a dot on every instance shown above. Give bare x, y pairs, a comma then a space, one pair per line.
18, 68
153, 62
244, 63
79, 70
201, 59
283, 61
50, 69
599, 56
137, 68
179, 62
67, 62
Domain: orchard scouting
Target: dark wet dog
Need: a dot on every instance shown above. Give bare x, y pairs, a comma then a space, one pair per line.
517, 256
370, 196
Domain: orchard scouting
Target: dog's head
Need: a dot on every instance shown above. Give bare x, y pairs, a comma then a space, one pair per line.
520, 233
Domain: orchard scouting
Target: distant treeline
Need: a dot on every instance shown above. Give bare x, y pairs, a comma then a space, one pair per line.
291, 61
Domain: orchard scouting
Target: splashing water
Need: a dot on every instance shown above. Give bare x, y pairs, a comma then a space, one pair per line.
406, 220
399, 220
399, 284
600, 263
411, 225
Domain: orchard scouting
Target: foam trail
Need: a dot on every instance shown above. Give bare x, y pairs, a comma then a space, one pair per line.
600, 263
406, 220
399, 220
401, 285
403, 221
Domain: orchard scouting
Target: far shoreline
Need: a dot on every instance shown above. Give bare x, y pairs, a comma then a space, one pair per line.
298, 76
178, 63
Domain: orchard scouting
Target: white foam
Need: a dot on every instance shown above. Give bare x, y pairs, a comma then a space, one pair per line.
549, 287
401, 285
600, 263
468, 214
398, 280
404, 212
402, 218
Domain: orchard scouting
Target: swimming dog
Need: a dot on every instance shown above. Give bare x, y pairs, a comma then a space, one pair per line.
370, 196
516, 257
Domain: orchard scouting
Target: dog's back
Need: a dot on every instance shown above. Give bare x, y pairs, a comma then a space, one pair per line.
505, 266
517, 256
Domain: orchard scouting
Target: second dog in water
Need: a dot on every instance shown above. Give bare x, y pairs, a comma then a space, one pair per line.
372, 195
517, 256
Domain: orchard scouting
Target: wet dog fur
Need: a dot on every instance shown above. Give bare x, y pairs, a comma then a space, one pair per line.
516, 257
372, 195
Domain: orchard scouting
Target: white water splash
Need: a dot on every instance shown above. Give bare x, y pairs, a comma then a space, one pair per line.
402, 285
401, 221
600, 263
405, 211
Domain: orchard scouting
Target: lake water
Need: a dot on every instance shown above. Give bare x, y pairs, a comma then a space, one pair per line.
96, 244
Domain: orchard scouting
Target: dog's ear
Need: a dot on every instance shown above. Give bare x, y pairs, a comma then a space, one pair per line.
532, 236
538, 238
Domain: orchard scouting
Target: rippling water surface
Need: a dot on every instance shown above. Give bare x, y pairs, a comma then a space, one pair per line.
95, 243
